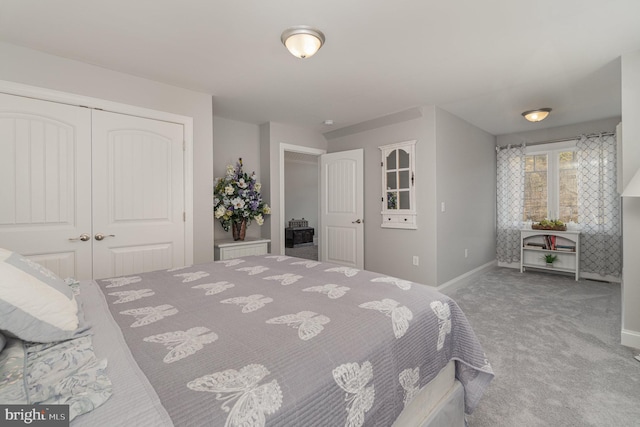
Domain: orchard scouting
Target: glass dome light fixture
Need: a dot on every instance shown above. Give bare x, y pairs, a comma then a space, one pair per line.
302, 41
536, 115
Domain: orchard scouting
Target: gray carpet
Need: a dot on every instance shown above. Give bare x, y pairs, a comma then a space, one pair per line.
554, 345
303, 251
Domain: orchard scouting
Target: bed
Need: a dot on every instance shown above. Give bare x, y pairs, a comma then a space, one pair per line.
273, 341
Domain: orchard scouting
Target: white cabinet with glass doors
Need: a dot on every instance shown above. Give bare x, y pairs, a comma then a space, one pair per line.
398, 185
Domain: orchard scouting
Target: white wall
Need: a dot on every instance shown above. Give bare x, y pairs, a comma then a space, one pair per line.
301, 192
232, 140
631, 205
466, 184
391, 251
35, 68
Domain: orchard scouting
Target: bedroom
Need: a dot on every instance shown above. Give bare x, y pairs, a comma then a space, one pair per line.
442, 258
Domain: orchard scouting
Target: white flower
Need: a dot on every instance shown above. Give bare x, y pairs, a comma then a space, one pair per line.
220, 212
228, 189
216, 201
257, 187
259, 219
266, 209
230, 170
242, 184
237, 203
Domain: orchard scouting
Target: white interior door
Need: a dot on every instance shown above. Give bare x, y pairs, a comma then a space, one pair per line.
342, 208
45, 183
138, 195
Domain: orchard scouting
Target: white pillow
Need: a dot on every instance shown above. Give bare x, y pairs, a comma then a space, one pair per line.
35, 304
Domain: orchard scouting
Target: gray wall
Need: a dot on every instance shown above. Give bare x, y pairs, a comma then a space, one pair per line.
631, 205
301, 183
390, 251
35, 68
466, 184
455, 164
231, 140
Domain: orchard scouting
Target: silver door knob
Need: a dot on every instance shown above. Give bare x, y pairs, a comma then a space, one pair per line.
357, 221
100, 236
84, 237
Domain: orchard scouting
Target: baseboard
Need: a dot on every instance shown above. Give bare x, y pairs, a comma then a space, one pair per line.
467, 277
591, 276
596, 276
630, 338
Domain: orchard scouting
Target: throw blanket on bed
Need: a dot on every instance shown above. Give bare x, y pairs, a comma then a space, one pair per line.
275, 340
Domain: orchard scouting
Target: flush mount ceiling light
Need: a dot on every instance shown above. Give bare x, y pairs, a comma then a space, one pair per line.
302, 41
536, 115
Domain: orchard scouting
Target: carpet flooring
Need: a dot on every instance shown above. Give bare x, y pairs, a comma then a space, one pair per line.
303, 251
554, 345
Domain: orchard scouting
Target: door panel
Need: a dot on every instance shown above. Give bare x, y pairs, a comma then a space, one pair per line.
342, 208
138, 194
45, 185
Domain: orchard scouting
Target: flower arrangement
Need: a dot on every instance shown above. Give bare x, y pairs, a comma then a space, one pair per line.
237, 198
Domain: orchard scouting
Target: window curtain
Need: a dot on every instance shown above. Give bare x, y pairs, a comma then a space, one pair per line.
510, 200
599, 206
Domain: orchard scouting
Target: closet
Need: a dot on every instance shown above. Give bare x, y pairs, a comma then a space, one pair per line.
90, 193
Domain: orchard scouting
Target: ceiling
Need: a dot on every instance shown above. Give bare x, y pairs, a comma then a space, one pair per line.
484, 61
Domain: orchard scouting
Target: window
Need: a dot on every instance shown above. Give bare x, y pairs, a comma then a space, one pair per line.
551, 185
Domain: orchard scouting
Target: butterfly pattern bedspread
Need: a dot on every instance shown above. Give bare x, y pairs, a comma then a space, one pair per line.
281, 341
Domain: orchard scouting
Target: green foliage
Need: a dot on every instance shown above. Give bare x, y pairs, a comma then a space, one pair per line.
551, 223
550, 258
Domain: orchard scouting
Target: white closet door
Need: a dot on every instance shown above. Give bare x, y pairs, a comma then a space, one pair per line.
45, 183
138, 195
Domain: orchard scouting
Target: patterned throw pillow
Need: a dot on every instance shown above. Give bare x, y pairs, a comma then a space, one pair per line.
35, 304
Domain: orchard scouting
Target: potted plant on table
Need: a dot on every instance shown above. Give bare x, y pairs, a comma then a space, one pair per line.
550, 259
237, 201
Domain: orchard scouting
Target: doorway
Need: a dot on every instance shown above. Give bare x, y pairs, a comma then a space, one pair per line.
301, 206
299, 198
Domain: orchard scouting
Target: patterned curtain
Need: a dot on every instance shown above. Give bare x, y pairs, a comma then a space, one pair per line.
510, 202
599, 206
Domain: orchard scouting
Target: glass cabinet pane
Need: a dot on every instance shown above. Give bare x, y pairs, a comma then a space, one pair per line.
392, 200
392, 183
391, 160
404, 179
404, 200
403, 158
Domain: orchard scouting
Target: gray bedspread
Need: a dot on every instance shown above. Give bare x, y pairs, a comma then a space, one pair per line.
275, 340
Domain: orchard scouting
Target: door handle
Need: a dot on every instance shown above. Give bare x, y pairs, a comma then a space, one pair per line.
357, 221
100, 236
84, 237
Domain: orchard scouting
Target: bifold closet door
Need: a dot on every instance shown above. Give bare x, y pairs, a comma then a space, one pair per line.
138, 194
45, 183
88, 193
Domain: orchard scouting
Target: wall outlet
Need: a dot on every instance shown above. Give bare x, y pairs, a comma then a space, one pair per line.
442, 207
466, 253
416, 260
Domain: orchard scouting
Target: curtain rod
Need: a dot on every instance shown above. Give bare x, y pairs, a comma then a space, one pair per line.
550, 141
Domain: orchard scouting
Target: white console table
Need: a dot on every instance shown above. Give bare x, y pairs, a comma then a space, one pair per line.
229, 248
534, 245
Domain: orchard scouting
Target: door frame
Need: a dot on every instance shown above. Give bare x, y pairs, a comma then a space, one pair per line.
295, 149
19, 89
